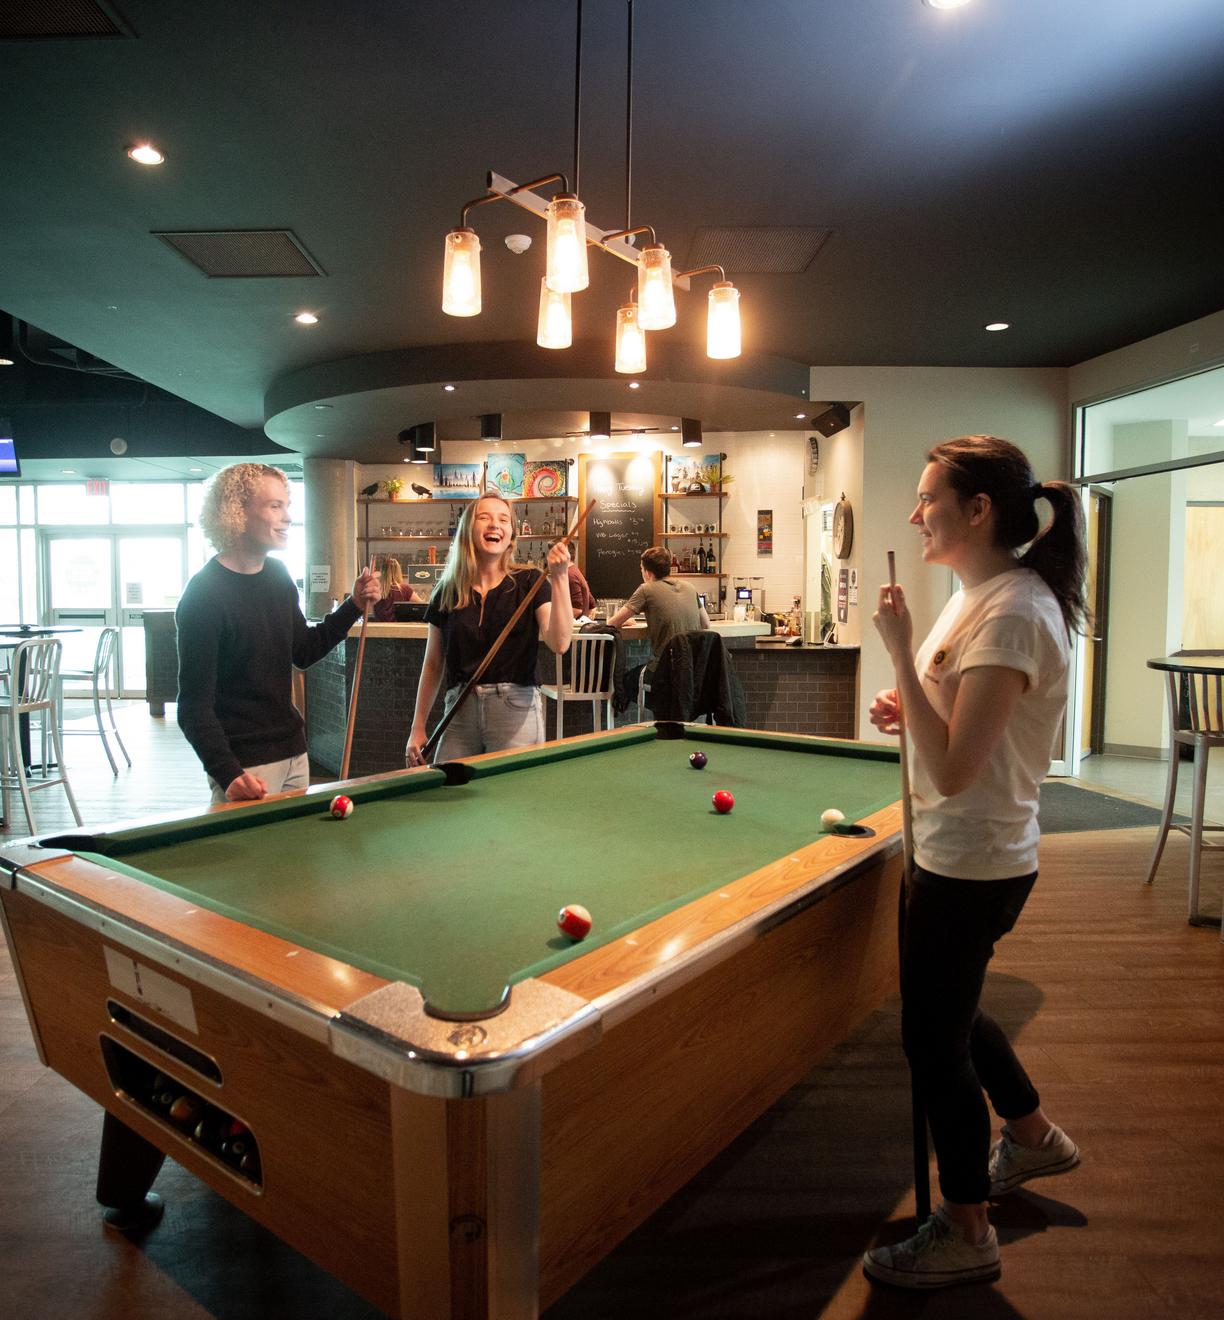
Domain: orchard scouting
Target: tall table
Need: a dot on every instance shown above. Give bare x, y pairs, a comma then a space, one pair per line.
11, 636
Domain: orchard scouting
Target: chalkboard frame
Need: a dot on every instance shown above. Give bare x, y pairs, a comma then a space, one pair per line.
591, 559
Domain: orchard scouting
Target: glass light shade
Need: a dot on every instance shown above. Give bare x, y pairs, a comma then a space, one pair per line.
630, 340
555, 328
656, 300
723, 321
566, 261
461, 274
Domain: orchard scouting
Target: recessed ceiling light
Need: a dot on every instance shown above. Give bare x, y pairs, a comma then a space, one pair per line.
675, 428
322, 407
306, 318
195, 469
635, 384
318, 435
1219, 423
6, 362
145, 153
998, 325
450, 389
68, 472
800, 416
945, 4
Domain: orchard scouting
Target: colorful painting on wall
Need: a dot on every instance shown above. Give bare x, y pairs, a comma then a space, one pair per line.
504, 473
764, 531
458, 481
688, 473
545, 480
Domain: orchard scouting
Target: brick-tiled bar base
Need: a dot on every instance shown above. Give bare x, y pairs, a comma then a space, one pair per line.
810, 689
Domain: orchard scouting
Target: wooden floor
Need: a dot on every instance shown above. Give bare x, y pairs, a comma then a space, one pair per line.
1118, 1008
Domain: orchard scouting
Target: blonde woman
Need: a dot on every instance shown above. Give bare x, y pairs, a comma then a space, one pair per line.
241, 632
479, 590
394, 589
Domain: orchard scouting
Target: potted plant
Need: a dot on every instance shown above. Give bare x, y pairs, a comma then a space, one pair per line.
393, 486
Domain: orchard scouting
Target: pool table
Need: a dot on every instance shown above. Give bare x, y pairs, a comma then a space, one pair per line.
370, 1036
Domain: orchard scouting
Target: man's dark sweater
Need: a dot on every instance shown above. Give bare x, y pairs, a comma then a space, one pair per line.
239, 636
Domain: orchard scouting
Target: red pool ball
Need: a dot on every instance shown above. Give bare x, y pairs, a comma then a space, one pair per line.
341, 807
723, 801
575, 921
698, 760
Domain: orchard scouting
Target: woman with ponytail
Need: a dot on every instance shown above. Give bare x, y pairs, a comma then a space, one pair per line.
983, 699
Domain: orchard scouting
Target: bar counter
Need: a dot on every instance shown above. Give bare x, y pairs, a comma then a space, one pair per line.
808, 689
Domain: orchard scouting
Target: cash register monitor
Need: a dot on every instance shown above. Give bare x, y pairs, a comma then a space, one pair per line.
410, 611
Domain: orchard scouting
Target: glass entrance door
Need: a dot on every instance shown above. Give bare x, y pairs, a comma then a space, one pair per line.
95, 579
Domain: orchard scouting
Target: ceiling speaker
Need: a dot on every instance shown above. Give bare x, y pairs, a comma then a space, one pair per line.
835, 418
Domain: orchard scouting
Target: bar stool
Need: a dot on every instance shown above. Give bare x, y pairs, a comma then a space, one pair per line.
34, 689
104, 679
1196, 719
590, 666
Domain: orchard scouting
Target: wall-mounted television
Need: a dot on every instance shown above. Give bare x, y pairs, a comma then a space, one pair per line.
10, 464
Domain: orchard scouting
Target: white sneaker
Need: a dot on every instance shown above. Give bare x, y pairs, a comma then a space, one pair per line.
1012, 1164
937, 1256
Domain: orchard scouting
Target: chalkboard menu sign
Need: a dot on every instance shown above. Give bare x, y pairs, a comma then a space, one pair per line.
623, 522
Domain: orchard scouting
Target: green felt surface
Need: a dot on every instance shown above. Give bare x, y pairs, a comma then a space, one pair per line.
456, 888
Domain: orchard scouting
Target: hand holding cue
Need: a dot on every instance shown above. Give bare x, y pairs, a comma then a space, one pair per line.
434, 738
352, 710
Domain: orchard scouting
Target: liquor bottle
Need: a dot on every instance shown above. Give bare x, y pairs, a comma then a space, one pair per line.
526, 529
675, 563
711, 562
452, 523
701, 558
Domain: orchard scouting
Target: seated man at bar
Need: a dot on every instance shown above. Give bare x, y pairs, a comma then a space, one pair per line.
581, 598
671, 609
240, 633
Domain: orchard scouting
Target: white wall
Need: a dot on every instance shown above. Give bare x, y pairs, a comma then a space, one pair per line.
905, 411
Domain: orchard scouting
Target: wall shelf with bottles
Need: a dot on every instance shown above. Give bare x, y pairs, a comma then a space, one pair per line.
681, 529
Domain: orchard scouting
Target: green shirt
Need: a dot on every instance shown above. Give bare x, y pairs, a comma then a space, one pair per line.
671, 608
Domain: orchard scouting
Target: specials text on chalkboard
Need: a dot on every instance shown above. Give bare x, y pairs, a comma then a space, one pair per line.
622, 524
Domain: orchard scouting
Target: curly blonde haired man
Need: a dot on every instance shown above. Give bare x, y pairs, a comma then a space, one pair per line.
240, 633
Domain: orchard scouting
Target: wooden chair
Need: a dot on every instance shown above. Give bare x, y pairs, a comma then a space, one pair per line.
590, 677
103, 678
1196, 720
33, 690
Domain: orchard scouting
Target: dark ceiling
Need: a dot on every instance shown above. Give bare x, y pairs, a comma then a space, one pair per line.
1052, 163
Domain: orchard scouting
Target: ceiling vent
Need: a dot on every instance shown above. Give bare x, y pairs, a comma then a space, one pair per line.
47, 20
757, 249
243, 254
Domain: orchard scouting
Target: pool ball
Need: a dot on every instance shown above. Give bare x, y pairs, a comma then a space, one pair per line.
574, 920
831, 817
723, 801
698, 760
341, 807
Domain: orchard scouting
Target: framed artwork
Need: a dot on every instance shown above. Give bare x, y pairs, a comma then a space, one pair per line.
458, 481
546, 480
764, 532
504, 473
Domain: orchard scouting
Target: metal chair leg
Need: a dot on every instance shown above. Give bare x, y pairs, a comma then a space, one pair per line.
1198, 802
115, 730
97, 705
63, 769
1166, 816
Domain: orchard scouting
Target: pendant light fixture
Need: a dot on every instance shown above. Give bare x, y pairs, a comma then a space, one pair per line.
599, 425
461, 273
630, 340
555, 326
653, 305
690, 430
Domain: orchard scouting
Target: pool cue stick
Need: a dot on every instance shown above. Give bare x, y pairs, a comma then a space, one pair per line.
352, 710
922, 1166
431, 743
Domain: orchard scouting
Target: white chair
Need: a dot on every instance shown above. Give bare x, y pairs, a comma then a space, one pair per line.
34, 690
104, 680
590, 665
1196, 722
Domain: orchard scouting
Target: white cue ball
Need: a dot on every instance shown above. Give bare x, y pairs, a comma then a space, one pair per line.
831, 817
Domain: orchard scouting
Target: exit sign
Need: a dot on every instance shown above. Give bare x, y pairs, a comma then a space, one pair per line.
97, 486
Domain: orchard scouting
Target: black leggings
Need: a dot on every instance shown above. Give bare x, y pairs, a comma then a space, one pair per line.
954, 1049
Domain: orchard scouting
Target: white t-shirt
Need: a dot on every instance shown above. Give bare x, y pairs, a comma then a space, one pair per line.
989, 831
